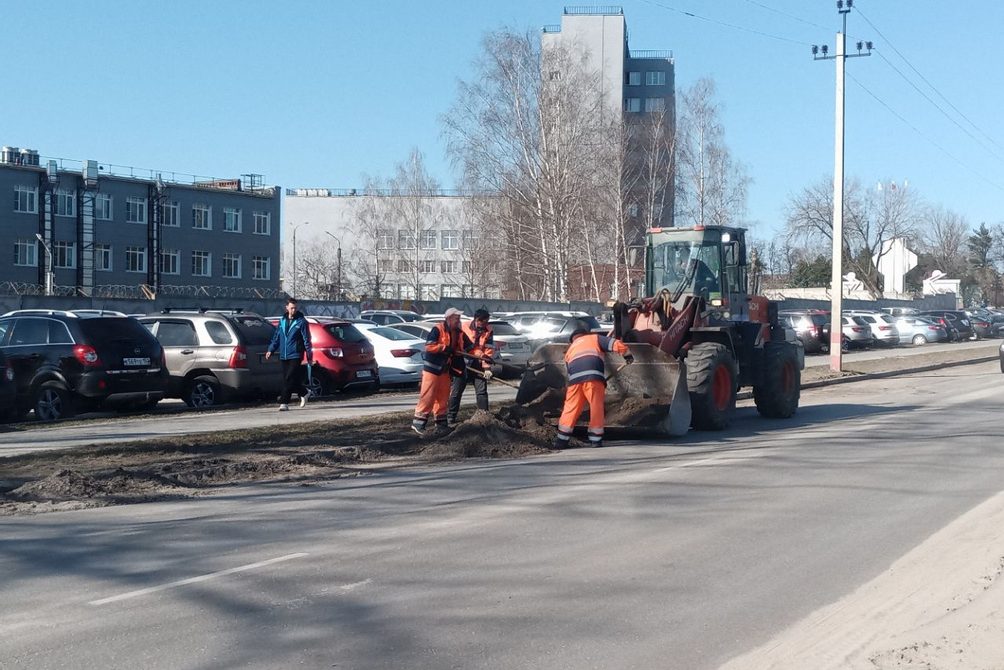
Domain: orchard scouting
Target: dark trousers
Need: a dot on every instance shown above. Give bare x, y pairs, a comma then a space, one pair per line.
457, 387
292, 379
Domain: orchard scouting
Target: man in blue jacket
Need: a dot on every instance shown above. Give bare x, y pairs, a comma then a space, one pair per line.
292, 340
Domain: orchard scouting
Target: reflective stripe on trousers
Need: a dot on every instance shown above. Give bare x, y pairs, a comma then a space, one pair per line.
432, 399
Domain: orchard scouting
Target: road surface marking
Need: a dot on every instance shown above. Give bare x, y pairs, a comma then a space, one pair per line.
194, 580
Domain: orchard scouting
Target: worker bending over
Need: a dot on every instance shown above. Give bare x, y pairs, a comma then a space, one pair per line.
587, 382
443, 359
479, 342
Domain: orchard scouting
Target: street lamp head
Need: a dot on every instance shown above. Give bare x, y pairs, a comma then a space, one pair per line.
815, 50
39, 236
825, 49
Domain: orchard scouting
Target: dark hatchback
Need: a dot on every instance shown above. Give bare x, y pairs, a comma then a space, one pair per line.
67, 362
956, 322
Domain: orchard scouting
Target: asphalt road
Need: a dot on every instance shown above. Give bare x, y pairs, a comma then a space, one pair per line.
33, 437
680, 554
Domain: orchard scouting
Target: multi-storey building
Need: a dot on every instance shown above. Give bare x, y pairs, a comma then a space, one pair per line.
97, 229
421, 247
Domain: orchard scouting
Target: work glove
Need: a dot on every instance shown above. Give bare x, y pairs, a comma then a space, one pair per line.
628, 359
488, 374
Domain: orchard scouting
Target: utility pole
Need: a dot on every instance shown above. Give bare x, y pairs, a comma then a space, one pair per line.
836, 278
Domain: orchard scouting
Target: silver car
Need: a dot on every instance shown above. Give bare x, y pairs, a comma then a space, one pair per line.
857, 333
883, 327
918, 330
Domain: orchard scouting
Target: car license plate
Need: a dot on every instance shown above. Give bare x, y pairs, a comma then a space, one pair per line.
363, 374
135, 361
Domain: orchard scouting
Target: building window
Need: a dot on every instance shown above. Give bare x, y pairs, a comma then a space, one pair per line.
135, 258
202, 264
135, 210
450, 291
449, 268
103, 257
632, 105
467, 239
428, 239
426, 267
66, 203
231, 220
406, 239
451, 239
655, 78
103, 207
634, 79
170, 215
26, 199
262, 223
428, 292
655, 104
202, 217
385, 238
406, 292
465, 267
232, 266
404, 266
170, 262
64, 254
385, 265
261, 267
26, 253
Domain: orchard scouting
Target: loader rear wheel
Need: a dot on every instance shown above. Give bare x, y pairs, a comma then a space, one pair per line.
711, 379
777, 397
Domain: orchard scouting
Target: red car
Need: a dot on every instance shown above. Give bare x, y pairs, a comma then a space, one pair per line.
343, 357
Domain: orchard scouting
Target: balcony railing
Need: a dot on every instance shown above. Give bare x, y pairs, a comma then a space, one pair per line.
607, 10
665, 54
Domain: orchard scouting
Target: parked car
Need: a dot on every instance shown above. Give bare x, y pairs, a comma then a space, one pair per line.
398, 354
900, 311
857, 331
1001, 354
919, 330
883, 327
953, 320
982, 325
8, 390
511, 346
344, 359
808, 326
546, 327
390, 316
64, 362
215, 356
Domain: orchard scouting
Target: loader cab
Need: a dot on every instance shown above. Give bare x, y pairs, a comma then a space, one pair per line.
705, 261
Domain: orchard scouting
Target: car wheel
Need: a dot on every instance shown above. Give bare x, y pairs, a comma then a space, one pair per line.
919, 339
203, 392
318, 384
52, 402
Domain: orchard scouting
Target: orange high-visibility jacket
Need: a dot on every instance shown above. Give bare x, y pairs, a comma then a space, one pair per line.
441, 350
478, 342
584, 357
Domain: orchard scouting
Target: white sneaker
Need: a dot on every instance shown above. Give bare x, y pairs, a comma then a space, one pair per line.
283, 407
303, 398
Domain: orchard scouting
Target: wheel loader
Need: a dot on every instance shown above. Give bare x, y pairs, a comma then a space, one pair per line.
696, 340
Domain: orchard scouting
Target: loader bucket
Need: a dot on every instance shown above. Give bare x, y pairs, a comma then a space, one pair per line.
650, 394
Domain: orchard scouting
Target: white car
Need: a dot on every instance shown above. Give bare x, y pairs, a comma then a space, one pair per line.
398, 354
511, 346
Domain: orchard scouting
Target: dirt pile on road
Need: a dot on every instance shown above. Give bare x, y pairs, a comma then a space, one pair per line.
487, 435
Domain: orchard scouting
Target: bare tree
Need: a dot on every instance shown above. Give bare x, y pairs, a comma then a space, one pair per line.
944, 239
712, 186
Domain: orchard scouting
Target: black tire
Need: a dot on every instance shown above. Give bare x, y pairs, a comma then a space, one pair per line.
319, 383
777, 396
711, 380
202, 392
919, 339
52, 402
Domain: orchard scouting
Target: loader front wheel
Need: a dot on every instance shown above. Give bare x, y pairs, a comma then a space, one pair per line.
711, 379
777, 397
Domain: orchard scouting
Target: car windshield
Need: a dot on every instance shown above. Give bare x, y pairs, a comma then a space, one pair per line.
345, 332
253, 330
682, 265
819, 319
503, 328
114, 328
858, 320
391, 333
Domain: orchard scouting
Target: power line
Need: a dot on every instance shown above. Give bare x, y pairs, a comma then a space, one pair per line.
925, 137
932, 86
790, 16
725, 24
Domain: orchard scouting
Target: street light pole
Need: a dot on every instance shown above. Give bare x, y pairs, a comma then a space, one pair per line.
49, 279
304, 223
338, 284
836, 276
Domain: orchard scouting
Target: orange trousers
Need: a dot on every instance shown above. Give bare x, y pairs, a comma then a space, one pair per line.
433, 399
576, 397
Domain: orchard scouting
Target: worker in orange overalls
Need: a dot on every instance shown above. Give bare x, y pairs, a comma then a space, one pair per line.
443, 360
587, 383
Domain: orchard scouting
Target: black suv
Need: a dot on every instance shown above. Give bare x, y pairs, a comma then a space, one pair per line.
65, 362
811, 327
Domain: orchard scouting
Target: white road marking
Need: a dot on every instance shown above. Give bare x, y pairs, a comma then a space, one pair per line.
194, 580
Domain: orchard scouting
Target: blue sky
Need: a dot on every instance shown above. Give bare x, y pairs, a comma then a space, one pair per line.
324, 93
